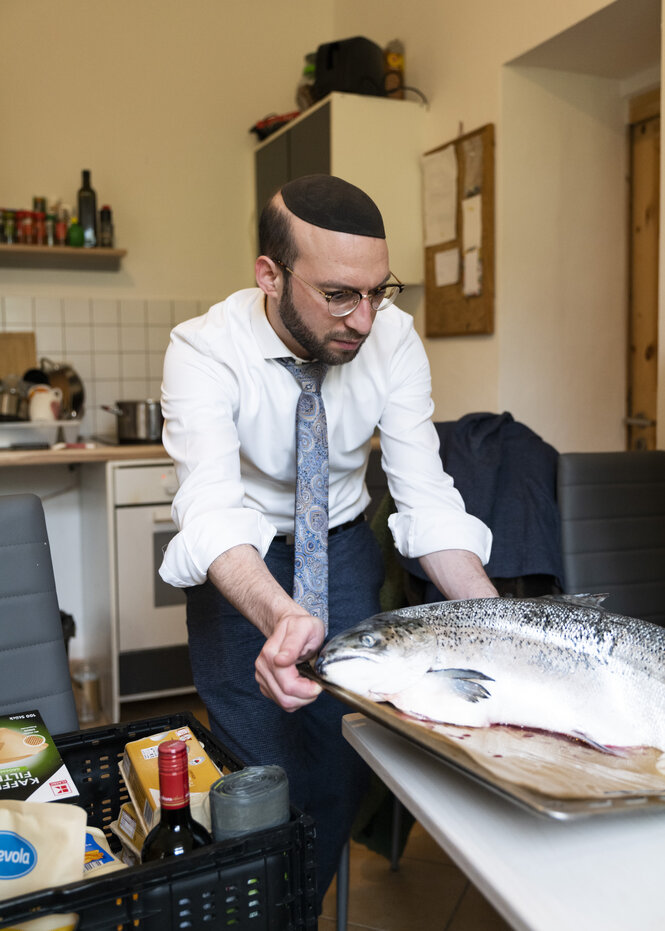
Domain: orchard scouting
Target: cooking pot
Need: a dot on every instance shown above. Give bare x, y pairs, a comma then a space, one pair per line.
138, 421
62, 376
13, 399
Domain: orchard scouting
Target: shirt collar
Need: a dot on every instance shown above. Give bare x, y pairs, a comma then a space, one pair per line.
269, 343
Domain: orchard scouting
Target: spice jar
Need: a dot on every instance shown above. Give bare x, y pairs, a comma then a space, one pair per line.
39, 228
10, 227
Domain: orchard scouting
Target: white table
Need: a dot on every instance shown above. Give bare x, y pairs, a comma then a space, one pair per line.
540, 874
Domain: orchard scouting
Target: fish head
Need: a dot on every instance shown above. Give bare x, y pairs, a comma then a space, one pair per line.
379, 656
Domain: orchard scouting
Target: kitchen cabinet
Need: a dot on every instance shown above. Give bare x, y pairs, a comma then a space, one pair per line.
373, 142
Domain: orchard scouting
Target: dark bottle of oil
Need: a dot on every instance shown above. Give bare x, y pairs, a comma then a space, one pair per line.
87, 211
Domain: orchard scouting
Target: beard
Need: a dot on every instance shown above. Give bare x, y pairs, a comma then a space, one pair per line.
317, 347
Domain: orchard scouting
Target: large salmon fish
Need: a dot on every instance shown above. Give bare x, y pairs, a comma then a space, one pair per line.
553, 663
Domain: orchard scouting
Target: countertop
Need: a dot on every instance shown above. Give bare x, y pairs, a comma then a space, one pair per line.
100, 452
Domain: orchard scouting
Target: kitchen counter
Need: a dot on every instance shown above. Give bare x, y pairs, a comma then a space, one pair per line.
101, 452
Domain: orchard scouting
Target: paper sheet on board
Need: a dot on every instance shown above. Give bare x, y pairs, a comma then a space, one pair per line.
440, 196
446, 267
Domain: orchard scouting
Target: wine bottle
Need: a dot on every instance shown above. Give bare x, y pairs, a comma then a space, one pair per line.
87, 211
177, 832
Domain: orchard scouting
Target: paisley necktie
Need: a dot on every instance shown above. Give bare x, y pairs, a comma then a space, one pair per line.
310, 575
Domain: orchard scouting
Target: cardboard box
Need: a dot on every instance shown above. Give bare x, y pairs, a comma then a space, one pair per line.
31, 768
139, 768
129, 829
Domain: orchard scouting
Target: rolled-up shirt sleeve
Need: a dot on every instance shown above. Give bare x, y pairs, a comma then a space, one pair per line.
199, 397
431, 515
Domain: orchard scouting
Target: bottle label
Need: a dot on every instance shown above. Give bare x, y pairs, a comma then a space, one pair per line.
174, 789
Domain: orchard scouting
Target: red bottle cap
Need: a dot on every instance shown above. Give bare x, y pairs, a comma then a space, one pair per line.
173, 774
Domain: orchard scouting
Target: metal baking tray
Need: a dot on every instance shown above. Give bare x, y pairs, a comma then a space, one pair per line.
576, 780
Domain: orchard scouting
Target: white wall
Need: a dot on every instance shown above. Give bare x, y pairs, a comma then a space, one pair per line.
562, 224
557, 357
156, 98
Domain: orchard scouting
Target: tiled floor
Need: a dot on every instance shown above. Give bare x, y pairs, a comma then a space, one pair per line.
427, 893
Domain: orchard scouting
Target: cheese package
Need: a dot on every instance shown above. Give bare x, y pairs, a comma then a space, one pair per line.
129, 829
140, 769
31, 768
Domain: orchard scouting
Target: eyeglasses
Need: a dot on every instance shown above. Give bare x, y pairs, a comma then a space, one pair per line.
343, 303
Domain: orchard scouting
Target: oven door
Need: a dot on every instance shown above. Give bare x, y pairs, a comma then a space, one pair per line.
150, 612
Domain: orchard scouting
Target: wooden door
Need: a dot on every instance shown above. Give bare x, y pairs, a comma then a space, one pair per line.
643, 278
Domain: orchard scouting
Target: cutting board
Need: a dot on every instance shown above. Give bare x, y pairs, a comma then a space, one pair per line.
18, 353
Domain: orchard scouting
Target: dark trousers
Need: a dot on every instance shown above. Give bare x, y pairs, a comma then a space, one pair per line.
327, 778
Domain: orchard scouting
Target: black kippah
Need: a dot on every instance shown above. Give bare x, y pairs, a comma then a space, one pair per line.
333, 204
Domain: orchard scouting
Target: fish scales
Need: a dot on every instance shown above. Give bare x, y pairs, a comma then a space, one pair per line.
559, 664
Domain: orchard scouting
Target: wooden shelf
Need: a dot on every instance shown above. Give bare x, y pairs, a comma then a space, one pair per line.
68, 257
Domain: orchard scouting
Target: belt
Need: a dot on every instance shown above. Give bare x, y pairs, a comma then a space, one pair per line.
288, 537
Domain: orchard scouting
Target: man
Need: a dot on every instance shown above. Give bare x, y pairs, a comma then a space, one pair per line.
229, 398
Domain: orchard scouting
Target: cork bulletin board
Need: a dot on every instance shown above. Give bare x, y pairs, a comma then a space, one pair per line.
458, 210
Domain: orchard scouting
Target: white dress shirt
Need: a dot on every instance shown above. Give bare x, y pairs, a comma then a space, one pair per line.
229, 412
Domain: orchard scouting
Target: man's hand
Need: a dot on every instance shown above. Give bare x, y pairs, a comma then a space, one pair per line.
292, 634
294, 639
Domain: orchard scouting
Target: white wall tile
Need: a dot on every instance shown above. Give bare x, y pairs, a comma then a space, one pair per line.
106, 338
76, 310
132, 313
19, 313
155, 365
158, 338
107, 366
161, 313
134, 389
48, 310
132, 365
107, 392
133, 339
105, 312
78, 339
49, 341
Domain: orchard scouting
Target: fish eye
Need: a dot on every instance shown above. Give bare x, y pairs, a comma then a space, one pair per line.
367, 640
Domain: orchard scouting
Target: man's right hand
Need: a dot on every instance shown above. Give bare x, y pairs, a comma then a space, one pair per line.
295, 638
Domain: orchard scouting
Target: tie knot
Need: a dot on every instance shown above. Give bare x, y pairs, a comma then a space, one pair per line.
309, 375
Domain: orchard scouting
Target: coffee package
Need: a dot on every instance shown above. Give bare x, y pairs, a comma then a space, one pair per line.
31, 768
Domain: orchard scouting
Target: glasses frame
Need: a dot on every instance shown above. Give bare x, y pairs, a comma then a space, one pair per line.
329, 295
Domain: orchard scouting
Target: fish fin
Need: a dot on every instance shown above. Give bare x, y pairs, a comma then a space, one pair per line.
586, 599
613, 751
463, 683
453, 673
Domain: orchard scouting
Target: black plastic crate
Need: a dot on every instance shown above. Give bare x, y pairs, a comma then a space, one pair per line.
264, 881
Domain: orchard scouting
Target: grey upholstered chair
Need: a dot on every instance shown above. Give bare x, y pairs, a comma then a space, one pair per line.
34, 672
612, 508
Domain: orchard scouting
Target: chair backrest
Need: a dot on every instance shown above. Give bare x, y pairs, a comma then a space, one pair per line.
612, 509
34, 672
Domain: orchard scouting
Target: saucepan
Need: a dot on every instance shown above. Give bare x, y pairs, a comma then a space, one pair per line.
13, 399
138, 421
